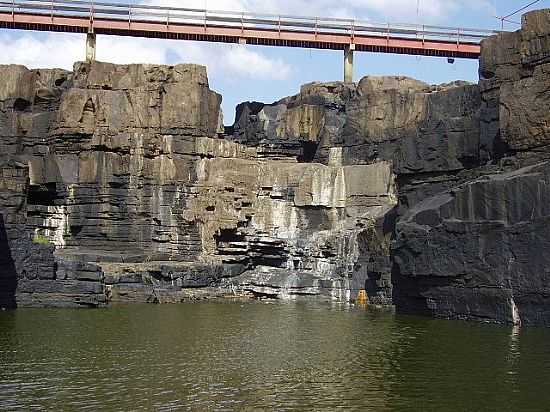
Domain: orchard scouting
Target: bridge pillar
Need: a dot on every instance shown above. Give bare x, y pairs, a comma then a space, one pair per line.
348, 63
90, 47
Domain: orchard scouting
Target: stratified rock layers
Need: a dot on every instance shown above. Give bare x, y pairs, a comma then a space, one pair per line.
478, 249
120, 184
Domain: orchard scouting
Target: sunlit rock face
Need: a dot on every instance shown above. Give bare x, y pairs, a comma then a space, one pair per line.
120, 183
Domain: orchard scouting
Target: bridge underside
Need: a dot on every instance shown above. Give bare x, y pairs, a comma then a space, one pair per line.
240, 34
234, 34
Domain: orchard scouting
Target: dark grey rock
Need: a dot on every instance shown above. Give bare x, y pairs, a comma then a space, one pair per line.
476, 252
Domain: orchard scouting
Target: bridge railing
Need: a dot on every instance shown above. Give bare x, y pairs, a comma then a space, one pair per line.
218, 18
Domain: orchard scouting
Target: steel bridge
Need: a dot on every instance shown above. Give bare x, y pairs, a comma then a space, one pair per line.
93, 17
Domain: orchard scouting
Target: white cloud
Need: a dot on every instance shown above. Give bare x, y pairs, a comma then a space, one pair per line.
295, 7
231, 60
48, 50
421, 10
387, 10
61, 50
243, 61
225, 5
44, 51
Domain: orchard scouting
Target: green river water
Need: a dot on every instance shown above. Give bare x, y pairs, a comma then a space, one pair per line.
265, 356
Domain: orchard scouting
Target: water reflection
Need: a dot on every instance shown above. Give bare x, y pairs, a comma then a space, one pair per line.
253, 356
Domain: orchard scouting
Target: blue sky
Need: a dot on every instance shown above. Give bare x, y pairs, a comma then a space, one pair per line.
267, 74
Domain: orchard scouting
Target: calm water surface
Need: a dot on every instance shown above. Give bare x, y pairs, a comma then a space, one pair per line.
265, 356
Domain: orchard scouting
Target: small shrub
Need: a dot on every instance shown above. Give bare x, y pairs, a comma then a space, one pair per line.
41, 240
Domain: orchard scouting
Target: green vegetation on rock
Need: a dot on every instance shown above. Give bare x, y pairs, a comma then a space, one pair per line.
41, 240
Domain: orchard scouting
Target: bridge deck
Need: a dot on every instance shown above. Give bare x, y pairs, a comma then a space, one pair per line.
81, 16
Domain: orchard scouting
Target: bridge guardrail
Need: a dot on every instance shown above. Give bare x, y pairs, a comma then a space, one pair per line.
218, 18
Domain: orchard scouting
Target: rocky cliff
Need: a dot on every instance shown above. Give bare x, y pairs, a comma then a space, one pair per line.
120, 183
477, 250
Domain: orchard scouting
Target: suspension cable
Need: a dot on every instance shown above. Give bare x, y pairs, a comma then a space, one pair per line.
523, 8
506, 18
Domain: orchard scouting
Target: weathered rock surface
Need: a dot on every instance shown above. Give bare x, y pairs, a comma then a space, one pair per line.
471, 221
476, 250
120, 184
119, 187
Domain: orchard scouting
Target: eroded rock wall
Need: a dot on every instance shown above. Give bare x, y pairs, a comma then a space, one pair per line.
470, 167
477, 250
120, 183
128, 190
107, 165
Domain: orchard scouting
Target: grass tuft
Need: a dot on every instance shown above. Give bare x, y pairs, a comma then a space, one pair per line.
41, 240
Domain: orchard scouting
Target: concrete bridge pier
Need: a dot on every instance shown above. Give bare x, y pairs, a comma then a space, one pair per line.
90, 46
348, 63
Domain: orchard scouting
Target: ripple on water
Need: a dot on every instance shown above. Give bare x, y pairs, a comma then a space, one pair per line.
293, 356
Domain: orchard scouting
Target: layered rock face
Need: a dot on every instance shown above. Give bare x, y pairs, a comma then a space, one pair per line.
120, 183
477, 249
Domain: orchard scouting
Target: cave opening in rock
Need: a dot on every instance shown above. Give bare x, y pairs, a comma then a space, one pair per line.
271, 261
20, 105
44, 195
309, 149
228, 235
500, 148
75, 230
59, 82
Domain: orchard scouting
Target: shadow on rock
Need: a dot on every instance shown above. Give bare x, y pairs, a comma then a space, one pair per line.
8, 274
